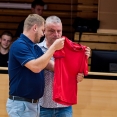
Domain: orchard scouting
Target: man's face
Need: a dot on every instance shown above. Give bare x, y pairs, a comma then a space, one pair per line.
38, 10
53, 31
39, 33
5, 41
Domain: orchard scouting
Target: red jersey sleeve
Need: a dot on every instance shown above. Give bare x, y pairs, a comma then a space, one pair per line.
59, 54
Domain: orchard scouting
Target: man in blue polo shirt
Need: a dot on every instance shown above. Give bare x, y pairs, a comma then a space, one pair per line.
26, 64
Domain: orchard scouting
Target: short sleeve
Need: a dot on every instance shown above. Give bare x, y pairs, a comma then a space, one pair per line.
22, 53
59, 54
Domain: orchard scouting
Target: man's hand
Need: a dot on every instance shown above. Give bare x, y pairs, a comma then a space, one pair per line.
88, 52
50, 66
59, 43
80, 77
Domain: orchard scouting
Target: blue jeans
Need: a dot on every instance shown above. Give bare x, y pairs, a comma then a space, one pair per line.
22, 108
56, 112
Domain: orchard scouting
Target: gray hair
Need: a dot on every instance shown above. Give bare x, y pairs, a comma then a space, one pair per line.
53, 19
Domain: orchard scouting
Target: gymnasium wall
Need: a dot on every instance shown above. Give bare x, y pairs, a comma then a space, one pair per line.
67, 10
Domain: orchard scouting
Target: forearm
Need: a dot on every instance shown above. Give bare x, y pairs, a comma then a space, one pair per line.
50, 66
40, 63
44, 60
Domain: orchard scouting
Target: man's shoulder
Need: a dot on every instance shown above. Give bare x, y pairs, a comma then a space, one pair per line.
19, 40
18, 43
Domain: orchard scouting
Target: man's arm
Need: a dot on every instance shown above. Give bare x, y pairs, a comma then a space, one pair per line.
50, 66
80, 76
88, 52
40, 63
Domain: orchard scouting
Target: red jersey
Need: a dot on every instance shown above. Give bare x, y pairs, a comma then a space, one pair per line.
69, 61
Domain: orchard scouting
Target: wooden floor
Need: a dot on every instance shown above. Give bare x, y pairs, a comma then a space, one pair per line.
4, 83
96, 98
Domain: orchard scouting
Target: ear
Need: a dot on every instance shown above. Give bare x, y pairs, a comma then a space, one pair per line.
35, 28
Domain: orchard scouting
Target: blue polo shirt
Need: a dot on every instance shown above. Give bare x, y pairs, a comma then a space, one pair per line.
22, 81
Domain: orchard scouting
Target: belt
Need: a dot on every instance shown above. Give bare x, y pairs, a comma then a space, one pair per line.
22, 99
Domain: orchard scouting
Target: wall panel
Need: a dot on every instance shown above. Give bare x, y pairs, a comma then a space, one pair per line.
67, 10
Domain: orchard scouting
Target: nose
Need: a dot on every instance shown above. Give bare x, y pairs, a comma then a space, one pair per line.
40, 12
6, 43
56, 33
